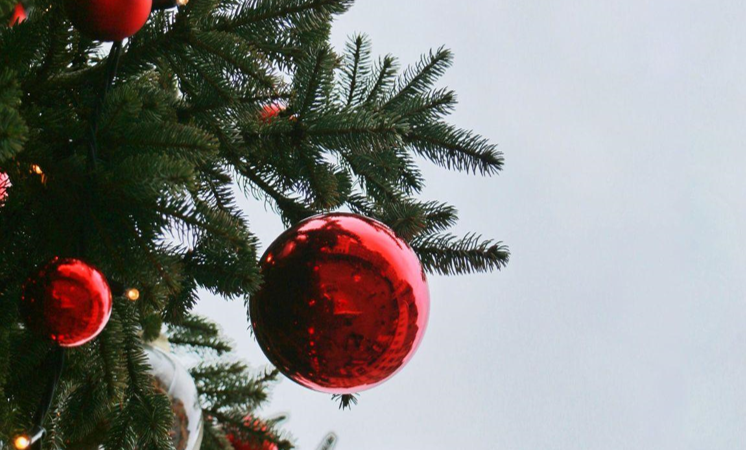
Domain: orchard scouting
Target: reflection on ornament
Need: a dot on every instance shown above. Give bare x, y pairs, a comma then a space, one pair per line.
344, 303
329, 442
174, 380
67, 301
19, 15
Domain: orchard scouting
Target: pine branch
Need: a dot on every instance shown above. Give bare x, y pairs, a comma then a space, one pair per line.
419, 79
13, 132
313, 81
386, 69
346, 401
448, 255
198, 333
428, 107
355, 68
236, 52
286, 11
455, 149
13, 128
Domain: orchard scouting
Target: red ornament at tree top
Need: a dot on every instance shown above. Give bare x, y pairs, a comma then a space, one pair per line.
18, 16
67, 301
344, 303
108, 20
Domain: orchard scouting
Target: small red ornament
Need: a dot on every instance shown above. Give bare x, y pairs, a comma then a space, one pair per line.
67, 301
269, 112
239, 443
108, 20
344, 303
4, 185
19, 15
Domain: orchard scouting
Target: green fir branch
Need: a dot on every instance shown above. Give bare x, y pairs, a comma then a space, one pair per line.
449, 255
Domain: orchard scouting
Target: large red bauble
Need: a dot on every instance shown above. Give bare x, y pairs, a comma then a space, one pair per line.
4, 185
108, 20
344, 303
67, 301
18, 16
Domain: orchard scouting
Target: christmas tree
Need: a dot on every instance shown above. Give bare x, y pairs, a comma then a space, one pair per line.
122, 161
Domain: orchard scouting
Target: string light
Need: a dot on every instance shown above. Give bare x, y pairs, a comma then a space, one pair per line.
133, 294
36, 169
24, 441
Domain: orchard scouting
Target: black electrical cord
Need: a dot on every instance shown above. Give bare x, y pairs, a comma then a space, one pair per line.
112, 64
54, 363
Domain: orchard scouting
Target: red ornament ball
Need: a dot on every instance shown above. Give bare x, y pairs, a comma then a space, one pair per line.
4, 185
108, 20
18, 16
344, 303
67, 301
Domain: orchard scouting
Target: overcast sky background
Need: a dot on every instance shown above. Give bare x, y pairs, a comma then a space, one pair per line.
620, 322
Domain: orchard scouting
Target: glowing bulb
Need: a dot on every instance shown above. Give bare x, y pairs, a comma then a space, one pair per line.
37, 170
25, 440
133, 294
22, 442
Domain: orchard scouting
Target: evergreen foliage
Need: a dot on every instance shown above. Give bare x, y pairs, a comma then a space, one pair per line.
181, 124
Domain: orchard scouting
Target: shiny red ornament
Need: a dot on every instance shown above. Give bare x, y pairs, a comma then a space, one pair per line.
344, 303
4, 185
108, 20
240, 443
19, 15
67, 301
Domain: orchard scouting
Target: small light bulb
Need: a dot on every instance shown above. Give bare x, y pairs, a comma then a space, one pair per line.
22, 442
37, 170
133, 294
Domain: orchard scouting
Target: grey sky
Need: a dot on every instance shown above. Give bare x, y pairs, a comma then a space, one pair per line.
620, 321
